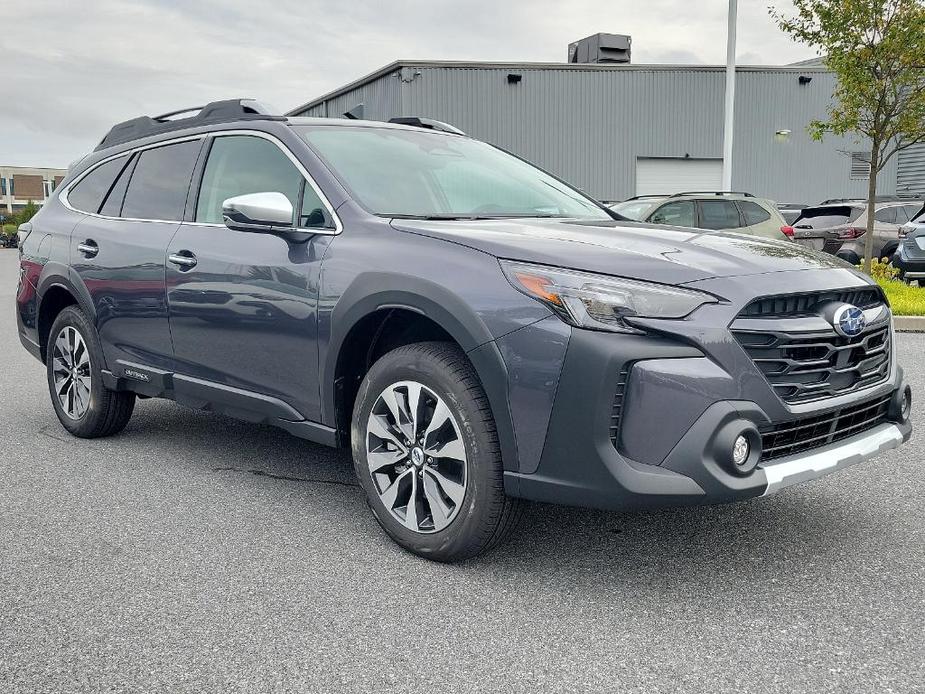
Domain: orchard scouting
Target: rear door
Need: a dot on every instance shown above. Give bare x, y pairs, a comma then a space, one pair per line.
761, 221
243, 306
118, 249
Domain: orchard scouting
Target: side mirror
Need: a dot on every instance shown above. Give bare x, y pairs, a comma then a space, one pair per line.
259, 212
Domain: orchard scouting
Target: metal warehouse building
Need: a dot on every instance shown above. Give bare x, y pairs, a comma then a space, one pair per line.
618, 130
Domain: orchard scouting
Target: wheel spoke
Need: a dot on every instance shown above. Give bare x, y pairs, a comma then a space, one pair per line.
439, 511
440, 417
451, 449
414, 402
378, 427
411, 510
390, 494
402, 422
63, 348
61, 383
452, 489
381, 459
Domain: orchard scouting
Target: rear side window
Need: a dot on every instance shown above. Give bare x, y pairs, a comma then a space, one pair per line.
680, 213
719, 214
88, 194
112, 207
914, 211
753, 212
887, 215
160, 182
242, 164
828, 216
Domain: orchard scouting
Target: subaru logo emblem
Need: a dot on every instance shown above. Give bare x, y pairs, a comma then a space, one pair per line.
849, 320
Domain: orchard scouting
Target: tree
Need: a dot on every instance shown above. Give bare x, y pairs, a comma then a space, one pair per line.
27, 212
876, 48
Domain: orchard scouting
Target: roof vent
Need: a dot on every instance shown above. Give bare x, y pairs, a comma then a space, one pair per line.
601, 48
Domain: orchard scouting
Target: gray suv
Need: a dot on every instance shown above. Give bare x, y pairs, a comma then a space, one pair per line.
474, 330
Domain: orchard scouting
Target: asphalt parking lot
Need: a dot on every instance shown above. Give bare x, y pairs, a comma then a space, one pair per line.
197, 553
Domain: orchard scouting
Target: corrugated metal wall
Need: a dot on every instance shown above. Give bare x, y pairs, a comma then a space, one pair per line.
589, 126
910, 176
380, 100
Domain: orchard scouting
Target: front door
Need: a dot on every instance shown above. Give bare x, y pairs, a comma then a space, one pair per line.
243, 306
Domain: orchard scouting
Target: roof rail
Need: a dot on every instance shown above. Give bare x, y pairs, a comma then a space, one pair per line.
713, 192
649, 195
427, 123
214, 112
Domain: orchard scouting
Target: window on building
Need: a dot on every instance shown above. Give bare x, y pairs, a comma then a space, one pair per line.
753, 212
719, 214
2, 186
679, 213
88, 194
160, 182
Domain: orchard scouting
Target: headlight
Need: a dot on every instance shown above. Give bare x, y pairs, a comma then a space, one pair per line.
600, 302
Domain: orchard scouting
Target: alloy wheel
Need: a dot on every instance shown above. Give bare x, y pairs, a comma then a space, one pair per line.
71, 371
416, 457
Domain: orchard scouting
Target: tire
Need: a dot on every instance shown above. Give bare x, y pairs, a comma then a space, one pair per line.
89, 410
460, 508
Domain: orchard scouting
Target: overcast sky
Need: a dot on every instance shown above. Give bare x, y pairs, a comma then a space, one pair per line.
72, 69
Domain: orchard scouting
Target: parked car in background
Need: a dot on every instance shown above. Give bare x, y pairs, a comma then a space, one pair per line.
790, 210
909, 257
840, 228
716, 211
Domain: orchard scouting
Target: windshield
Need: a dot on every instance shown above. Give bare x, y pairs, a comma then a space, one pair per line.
633, 209
405, 173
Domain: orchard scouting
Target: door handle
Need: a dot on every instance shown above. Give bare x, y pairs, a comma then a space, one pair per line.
88, 248
185, 260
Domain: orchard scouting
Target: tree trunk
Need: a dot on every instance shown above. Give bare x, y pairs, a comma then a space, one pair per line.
871, 204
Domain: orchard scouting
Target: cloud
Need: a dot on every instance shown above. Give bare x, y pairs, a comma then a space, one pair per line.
74, 69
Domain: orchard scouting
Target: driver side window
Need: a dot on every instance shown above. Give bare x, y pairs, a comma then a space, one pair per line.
242, 164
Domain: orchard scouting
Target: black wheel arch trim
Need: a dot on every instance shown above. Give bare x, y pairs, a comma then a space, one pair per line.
376, 291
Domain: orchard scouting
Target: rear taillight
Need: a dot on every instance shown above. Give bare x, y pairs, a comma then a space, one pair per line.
851, 233
787, 231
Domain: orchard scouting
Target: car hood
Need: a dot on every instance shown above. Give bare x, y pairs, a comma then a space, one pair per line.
670, 255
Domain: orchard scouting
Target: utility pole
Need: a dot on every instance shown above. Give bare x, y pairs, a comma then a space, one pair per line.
729, 113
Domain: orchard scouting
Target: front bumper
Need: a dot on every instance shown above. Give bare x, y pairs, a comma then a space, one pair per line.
685, 402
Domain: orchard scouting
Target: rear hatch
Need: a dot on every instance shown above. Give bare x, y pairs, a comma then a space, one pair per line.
820, 227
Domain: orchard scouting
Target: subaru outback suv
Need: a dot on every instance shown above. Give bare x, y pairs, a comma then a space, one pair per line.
474, 330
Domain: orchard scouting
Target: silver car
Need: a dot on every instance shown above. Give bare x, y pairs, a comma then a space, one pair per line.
840, 228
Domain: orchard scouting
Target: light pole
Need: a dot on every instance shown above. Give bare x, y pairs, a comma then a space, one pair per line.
729, 112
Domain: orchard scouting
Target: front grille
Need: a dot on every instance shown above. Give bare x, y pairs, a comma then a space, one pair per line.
793, 305
616, 411
787, 438
803, 367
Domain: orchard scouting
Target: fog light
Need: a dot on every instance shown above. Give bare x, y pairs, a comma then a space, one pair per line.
740, 451
905, 407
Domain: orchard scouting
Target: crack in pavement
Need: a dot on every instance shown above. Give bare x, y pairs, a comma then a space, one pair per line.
286, 478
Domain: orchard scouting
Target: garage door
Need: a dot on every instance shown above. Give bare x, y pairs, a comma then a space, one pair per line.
665, 176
